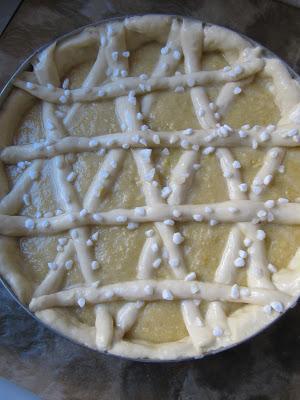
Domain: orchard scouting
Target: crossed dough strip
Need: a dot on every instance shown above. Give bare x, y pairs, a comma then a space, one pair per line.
287, 214
125, 85
127, 114
137, 139
189, 310
137, 31
134, 290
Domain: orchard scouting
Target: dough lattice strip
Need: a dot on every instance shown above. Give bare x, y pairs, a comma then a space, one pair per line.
125, 85
284, 214
134, 290
151, 139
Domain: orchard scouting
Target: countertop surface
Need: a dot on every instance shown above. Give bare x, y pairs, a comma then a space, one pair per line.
266, 367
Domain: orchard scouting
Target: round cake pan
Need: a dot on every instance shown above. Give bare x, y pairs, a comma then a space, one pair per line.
25, 66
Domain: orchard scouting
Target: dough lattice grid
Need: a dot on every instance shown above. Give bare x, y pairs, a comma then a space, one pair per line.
185, 39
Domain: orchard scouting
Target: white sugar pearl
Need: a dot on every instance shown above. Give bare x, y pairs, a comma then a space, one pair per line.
176, 213
101, 92
81, 302
26, 199
264, 136
260, 234
132, 225
178, 238
69, 264
267, 309
121, 218
254, 144
179, 89
94, 265
156, 263
93, 143
242, 134
165, 192
176, 54
267, 179
156, 139
83, 213
174, 262
272, 268
201, 112
195, 288
29, 224
282, 200
235, 292
227, 174
239, 262
243, 187
164, 50
149, 290
98, 217
185, 144
292, 132
45, 224
208, 150
30, 85
257, 181
237, 90
198, 217
217, 331
274, 153
169, 222
243, 254
277, 306
236, 164
63, 241
233, 210
63, 99
198, 320
167, 294
71, 177
262, 214
188, 131
149, 233
269, 204
256, 189
52, 266
190, 277
154, 247
165, 152
114, 55
140, 211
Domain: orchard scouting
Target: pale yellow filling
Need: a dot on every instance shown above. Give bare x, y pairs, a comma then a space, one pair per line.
118, 249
